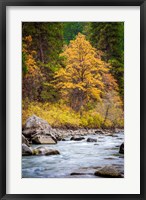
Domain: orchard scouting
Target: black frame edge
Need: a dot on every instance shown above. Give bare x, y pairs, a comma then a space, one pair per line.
142, 96
72, 2
71, 196
3, 4
143, 103
3, 100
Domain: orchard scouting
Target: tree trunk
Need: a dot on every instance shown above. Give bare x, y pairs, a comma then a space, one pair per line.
106, 115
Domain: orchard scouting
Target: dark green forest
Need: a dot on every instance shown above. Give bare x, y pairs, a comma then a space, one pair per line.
73, 73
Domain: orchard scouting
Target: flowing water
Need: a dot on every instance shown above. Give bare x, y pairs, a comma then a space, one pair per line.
76, 156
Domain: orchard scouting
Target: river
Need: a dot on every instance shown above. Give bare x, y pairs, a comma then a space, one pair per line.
76, 156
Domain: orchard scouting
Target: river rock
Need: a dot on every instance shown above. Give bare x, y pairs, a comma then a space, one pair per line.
45, 133
25, 141
29, 132
77, 138
108, 172
121, 150
43, 139
63, 139
99, 131
36, 126
109, 134
91, 140
35, 122
45, 151
114, 135
41, 150
56, 136
118, 130
26, 151
52, 152
80, 173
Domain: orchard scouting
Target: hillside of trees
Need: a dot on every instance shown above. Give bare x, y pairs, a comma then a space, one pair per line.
73, 73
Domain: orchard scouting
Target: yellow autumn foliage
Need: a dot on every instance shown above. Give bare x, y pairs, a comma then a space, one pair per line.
85, 86
81, 79
32, 68
59, 115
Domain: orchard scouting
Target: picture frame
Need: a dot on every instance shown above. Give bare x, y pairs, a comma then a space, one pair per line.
4, 109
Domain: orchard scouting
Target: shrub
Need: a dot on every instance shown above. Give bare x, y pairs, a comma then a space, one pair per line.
60, 115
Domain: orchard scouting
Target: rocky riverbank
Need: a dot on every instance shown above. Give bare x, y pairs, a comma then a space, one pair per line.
38, 131
40, 139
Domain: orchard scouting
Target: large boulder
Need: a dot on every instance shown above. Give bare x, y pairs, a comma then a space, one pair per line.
35, 125
45, 151
108, 172
121, 150
26, 151
43, 139
91, 140
35, 122
36, 128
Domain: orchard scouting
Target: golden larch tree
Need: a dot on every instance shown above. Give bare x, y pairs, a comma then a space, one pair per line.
81, 79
